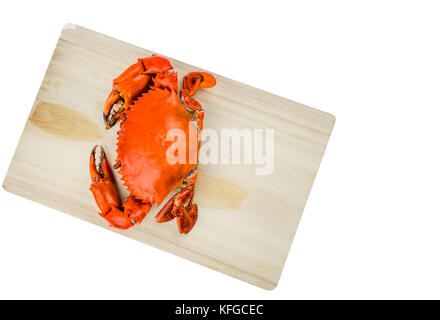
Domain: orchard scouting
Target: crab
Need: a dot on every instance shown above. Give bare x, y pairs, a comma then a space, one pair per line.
144, 99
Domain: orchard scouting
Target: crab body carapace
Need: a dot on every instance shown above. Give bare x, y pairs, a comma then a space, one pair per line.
145, 97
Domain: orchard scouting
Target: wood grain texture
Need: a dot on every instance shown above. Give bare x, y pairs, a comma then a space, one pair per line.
246, 222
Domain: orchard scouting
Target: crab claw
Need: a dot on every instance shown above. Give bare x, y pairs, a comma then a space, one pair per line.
131, 84
103, 182
113, 108
105, 191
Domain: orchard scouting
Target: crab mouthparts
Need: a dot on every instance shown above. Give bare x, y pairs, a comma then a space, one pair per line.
114, 113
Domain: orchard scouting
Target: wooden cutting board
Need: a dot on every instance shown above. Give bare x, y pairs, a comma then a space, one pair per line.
246, 221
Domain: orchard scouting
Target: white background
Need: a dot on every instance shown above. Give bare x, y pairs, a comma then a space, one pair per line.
371, 228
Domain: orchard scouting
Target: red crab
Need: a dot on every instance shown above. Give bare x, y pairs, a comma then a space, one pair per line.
145, 98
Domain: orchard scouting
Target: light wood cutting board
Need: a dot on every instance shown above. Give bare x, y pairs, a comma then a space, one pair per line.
246, 222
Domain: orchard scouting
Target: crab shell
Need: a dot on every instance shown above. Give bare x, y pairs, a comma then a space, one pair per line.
142, 145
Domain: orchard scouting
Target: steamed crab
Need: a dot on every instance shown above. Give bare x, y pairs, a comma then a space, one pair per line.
145, 99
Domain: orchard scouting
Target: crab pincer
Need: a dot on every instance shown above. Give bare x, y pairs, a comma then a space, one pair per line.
106, 194
134, 81
105, 190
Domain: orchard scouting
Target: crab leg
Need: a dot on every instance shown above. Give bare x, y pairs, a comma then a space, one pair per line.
175, 208
106, 194
191, 83
180, 206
